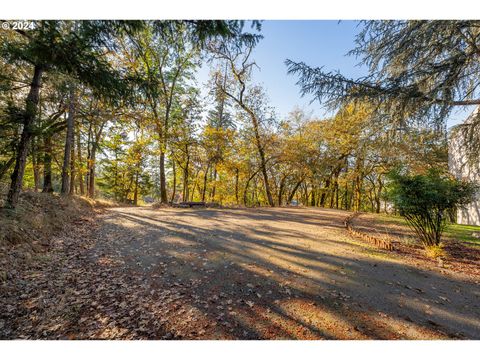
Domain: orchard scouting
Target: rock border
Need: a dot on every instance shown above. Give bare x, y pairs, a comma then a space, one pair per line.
380, 243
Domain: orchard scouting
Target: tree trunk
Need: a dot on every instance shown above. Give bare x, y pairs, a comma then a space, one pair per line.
345, 197
265, 179
195, 185
135, 193
163, 181
324, 193
36, 166
236, 184
305, 193
79, 164
294, 190
247, 184
263, 162
47, 164
72, 168
89, 156
91, 173
27, 133
185, 180
162, 136
378, 195
281, 189
96, 136
312, 200
127, 190
214, 187
91, 180
334, 192
204, 190
174, 180
357, 194
68, 143
245, 191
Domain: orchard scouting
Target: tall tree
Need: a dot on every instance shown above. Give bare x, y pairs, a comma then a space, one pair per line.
77, 49
418, 70
168, 61
249, 100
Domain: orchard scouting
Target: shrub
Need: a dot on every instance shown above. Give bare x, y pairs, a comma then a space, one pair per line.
426, 200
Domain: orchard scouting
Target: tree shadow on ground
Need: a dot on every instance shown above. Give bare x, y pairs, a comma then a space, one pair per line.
278, 289
218, 274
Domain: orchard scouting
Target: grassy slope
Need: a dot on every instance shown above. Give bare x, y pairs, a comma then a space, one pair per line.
459, 232
464, 233
39, 216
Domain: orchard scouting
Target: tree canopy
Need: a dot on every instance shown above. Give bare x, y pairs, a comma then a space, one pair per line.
114, 110
418, 71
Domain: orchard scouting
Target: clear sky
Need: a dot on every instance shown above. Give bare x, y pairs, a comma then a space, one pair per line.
317, 43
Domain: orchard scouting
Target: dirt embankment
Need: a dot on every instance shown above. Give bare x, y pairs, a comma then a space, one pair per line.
39, 216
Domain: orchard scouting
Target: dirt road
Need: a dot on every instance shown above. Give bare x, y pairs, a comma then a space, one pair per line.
282, 273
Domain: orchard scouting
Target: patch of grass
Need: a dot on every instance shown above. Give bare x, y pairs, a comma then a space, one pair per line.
464, 233
435, 252
390, 219
44, 258
102, 203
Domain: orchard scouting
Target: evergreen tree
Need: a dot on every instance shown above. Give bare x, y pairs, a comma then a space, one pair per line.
418, 71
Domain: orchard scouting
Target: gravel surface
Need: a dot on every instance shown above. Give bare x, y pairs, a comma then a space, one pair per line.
282, 273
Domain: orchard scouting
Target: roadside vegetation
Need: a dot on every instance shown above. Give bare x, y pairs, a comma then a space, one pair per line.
396, 226
39, 217
428, 203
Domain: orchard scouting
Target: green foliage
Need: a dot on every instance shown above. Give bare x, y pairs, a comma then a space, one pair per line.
79, 49
124, 175
202, 31
424, 200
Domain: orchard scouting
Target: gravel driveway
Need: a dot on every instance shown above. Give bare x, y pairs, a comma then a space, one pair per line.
282, 273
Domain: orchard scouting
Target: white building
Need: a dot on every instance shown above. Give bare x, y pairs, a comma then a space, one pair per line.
461, 168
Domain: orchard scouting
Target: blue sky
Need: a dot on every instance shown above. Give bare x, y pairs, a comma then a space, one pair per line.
317, 43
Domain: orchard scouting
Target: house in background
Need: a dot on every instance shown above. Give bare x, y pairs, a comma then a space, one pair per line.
461, 168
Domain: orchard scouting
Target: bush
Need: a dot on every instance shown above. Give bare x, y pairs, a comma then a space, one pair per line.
426, 200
